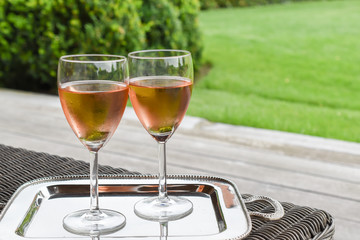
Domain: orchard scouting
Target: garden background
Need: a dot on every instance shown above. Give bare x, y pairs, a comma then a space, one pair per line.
284, 65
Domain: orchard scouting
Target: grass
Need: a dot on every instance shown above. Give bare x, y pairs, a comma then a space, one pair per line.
291, 67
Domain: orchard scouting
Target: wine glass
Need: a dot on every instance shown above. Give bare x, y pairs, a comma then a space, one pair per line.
160, 86
93, 91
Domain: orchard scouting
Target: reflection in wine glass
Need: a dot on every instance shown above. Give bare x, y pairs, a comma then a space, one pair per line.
93, 91
160, 85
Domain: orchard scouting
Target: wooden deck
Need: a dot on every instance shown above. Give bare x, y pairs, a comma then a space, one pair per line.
305, 170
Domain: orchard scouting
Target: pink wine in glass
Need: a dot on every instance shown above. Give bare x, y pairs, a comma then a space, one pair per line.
160, 103
93, 109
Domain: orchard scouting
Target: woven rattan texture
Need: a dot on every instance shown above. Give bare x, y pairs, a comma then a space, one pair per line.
298, 223
18, 166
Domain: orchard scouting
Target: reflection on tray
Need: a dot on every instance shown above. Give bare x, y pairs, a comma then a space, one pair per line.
218, 210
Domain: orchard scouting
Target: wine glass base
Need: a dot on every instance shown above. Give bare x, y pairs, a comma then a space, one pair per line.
168, 209
86, 222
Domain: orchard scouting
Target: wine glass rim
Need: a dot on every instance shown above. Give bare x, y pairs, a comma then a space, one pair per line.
117, 58
133, 54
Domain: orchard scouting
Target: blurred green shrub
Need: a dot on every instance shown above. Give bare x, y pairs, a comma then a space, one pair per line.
35, 33
188, 15
208, 4
161, 24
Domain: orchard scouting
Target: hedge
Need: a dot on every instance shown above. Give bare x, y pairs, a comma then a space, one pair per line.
208, 4
188, 15
35, 33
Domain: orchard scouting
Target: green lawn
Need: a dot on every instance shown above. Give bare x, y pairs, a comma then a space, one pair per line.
290, 67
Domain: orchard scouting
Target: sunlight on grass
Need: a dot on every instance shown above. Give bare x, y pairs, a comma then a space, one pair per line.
290, 67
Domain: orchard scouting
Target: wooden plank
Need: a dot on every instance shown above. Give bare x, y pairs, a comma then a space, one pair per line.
294, 179
145, 161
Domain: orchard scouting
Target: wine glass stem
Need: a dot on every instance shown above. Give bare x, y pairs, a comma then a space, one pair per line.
163, 230
162, 172
94, 182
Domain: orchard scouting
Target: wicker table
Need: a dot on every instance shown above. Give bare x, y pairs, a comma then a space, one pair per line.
18, 166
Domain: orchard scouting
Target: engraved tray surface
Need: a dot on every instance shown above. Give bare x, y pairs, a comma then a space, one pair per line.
37, 208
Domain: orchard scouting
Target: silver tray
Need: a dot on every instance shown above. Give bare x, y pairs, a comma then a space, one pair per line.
37, 208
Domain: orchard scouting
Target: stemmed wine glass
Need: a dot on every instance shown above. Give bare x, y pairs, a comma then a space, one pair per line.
160, 86
93, 91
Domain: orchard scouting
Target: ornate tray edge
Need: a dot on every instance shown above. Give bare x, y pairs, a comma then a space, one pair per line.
205, 178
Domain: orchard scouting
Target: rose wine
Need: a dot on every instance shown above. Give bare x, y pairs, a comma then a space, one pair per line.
93, 109
160, 103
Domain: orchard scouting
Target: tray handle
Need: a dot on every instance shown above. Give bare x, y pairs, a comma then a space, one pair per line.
277, 214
